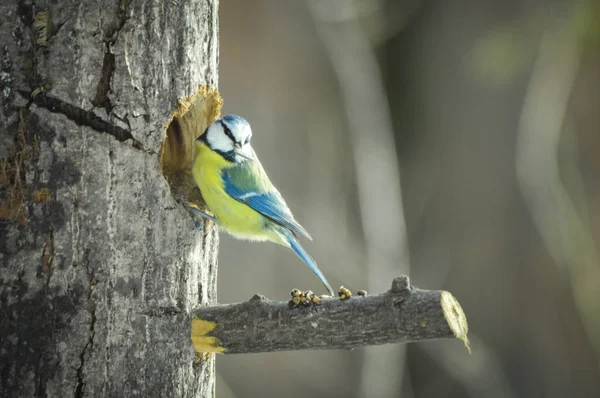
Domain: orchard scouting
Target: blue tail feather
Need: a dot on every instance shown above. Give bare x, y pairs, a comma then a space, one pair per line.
307, 259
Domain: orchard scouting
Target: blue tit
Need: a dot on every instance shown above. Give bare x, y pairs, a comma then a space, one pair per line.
238, 192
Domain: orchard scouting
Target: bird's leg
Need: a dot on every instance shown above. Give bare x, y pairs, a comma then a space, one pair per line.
195, 210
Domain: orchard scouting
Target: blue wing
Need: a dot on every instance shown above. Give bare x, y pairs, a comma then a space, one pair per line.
270, 203
249, 184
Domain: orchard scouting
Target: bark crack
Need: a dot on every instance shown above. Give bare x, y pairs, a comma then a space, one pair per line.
83, 118
48, 256
89, 345
161, 312
108, 64
108, 67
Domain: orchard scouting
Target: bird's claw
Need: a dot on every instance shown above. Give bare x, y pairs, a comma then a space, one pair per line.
195, 210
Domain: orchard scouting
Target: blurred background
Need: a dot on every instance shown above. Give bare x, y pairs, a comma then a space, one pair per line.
457, 142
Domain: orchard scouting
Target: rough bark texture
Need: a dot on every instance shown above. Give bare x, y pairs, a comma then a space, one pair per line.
99, 267
401, 315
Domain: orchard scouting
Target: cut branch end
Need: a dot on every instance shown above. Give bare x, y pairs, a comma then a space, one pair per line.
456, 318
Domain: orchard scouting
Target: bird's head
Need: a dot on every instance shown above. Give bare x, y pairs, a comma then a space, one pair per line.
230, 137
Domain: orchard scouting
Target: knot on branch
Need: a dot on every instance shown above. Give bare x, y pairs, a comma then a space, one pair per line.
401, 284
257, 298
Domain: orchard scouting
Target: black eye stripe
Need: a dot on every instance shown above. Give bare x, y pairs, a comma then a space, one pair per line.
227, 132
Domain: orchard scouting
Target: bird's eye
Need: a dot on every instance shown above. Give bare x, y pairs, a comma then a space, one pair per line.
228, 133
247, 140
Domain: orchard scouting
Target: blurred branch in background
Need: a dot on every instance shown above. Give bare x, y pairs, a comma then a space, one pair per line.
378, 178
566, 235
481, 375
455, 78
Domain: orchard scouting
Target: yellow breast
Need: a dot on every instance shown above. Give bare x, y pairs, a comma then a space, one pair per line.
236, 218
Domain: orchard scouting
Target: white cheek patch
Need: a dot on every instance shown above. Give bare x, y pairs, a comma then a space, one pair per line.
218, 140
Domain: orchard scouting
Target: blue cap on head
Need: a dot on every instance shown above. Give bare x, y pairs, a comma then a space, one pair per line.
234, 121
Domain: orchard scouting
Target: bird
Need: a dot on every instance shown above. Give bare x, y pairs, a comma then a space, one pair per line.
238, 192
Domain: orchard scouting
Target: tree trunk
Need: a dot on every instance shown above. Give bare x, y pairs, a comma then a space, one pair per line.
100, 268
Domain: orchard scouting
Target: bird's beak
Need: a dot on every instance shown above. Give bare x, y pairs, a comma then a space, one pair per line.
238, 151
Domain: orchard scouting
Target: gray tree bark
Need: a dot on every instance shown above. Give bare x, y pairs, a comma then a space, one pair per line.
99, 266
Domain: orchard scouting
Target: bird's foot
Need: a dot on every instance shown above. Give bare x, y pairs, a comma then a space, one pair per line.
196, 211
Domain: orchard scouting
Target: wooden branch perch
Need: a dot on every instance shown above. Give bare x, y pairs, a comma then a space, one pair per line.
402, 314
